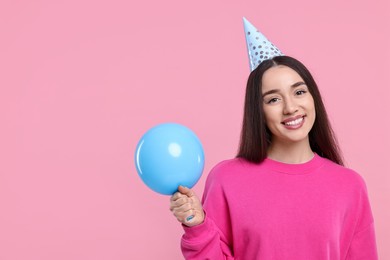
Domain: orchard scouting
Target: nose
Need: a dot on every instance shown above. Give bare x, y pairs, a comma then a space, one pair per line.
290, 106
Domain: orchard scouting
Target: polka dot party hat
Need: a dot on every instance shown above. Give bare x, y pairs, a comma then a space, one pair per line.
259, 47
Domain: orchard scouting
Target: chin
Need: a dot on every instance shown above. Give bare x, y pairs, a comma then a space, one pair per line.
294, 138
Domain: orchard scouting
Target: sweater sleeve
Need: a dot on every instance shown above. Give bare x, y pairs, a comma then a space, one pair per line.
363, 245
213, 238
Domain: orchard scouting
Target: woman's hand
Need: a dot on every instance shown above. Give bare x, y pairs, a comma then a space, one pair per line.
186, 207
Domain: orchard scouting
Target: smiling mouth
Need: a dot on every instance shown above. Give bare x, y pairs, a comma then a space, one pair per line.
294, 122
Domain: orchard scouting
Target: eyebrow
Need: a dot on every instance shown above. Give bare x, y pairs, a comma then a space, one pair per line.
272, 91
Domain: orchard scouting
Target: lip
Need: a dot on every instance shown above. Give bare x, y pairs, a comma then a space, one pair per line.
292, 118
293, 127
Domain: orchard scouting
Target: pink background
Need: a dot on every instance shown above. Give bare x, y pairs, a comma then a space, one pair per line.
81, 81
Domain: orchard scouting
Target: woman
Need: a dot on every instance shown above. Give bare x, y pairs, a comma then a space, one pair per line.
287, 194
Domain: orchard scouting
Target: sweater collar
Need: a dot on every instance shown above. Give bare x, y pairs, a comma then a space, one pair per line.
299, 168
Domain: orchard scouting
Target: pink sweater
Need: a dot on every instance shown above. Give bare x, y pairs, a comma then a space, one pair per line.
311, 211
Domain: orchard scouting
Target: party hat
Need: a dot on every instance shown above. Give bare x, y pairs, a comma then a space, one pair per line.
259, 47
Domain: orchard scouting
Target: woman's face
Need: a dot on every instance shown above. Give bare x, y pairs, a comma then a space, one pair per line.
288, 105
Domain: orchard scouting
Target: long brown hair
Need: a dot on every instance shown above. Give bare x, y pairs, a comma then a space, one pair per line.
255, 135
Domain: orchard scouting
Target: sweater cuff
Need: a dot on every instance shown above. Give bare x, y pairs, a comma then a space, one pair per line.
198, 230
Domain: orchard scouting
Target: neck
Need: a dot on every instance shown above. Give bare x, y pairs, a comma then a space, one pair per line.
294, 152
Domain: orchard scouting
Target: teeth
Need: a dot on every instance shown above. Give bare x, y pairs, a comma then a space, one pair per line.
295, 122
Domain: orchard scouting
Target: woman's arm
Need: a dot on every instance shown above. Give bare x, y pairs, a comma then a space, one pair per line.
363, 244
207, 226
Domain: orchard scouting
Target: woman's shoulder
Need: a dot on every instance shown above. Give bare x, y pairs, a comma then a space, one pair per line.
229, 169
228, 164
233, 165
344, 173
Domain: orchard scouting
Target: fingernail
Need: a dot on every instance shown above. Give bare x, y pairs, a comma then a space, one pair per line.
189, 218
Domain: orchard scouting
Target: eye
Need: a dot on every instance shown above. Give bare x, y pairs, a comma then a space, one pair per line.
272, 100
300, 92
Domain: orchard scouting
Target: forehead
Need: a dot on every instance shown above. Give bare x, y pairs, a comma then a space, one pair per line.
279, 77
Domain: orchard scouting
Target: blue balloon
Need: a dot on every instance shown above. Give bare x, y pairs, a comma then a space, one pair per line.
169, 155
